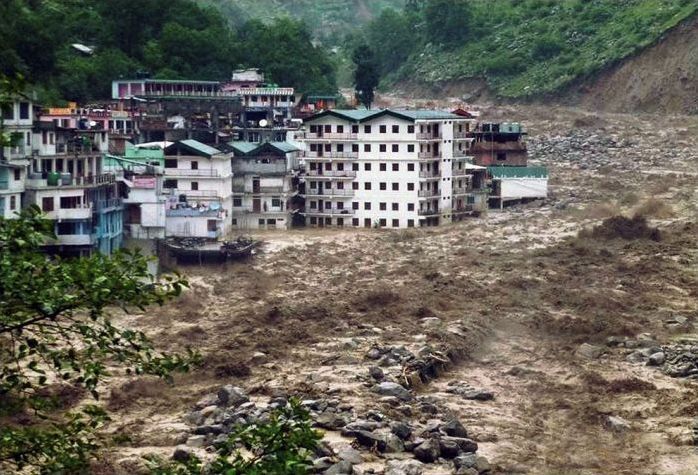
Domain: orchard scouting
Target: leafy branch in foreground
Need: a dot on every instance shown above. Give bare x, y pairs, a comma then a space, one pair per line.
55, 331
280, 445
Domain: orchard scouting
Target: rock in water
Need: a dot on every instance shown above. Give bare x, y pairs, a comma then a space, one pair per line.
388, 388
428, 451
232, 396
454, 428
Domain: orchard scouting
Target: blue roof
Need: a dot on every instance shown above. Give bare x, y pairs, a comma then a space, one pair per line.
197, 147
243, 147
517, 172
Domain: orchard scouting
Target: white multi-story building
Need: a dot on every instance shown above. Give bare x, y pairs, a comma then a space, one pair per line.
263, 185
68, 182
17, 117
389, 168
198, 186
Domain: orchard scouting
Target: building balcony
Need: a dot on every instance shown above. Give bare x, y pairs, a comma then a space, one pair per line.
74, 240
463, 209
462, 135
194, 213
429, 193
330, 155
110, 204
430, 174
459, 172
330, 212
332, 174
181, 172
242, 166
461, 191
195, 195
329, 136
81, 213
428, 155
329, 192
460, 153
428, 136
67, 180
428, 212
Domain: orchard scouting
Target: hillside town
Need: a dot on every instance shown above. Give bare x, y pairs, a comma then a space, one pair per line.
176, 159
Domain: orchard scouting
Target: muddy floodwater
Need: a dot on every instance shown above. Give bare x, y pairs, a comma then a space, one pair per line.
545, 331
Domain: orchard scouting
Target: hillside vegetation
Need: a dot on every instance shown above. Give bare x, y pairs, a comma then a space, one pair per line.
329, 20
169, 39
521, 47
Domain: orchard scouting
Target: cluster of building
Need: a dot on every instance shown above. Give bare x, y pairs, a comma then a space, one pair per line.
171, 158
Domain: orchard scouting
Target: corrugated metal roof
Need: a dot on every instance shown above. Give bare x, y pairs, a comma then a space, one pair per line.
200, 147
243, 147
363, 115
284, 146
426, 114
518, 172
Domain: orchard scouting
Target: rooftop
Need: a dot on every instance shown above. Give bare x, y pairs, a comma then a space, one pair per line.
194, 146
518, 172
363, 115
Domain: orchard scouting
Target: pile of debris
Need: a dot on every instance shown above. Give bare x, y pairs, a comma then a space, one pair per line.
678, 359
404, 447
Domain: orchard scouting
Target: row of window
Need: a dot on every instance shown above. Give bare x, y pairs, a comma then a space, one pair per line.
339, 129
275, 202
382, 222
339, 148
355, 205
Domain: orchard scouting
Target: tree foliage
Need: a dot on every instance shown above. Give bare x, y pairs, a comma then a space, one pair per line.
366, 75
448, 21
520, 47
56, 333
162, 38
280, 445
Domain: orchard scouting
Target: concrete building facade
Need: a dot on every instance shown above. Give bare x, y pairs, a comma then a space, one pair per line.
198, 188
389, 168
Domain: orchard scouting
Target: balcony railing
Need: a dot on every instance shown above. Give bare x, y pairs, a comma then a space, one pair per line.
67, 180
110, 203
190, 172
329, 155
429, 193
268, 189
329, 192
428, 212
429, 174
331, 212
193, 213
428, 136
463, 209
332, 173
460, 135
330, 136
82, 212
461, 191
194, 195
460, 172
428, 155
460, 153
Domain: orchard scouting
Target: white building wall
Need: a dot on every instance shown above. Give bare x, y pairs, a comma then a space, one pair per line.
524, 188
369, 160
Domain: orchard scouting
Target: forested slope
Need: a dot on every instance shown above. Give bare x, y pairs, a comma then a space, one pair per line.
157, 38
522, 48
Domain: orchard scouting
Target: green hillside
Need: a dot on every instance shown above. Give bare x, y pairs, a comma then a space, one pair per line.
167, 39
521, 47
329, 20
